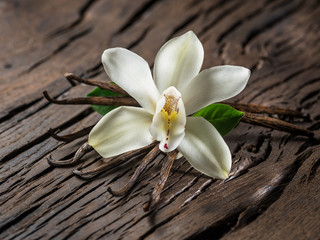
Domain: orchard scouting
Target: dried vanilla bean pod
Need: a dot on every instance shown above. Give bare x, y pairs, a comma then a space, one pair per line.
275, 124
103, 85
113, 101
83, 150
113, 162
146, 160
164, 174
250, 118
253, 108
72, 136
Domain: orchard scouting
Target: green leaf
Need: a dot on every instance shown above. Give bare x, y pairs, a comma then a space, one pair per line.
223, 117
98, 92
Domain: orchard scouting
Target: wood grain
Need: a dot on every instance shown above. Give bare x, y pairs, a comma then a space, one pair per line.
273, 189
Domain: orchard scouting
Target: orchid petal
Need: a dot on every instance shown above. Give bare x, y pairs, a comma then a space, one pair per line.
132, 73
178, 61
205, 149
121, 130
214, 85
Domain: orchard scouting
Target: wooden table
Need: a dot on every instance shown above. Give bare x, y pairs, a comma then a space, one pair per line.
276, 192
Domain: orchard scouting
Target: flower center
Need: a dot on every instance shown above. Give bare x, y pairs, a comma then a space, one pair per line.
169, 111
170, 108
170, 104
169, 120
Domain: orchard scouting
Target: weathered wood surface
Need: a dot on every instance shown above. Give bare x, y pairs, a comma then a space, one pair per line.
274, 192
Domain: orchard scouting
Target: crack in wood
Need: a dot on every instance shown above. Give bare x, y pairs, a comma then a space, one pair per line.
215, 6
285, 80
81, 15
147, 6
11, 220
43, 137
185, 23
220, 17
275, 18
240, 22
153, 229
263, 198
199, 191
57, 50
140, 38
7, 116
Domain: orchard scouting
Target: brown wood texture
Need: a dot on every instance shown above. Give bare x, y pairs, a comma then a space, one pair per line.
273, 191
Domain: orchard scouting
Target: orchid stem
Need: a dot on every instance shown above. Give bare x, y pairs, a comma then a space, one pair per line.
146, 160
164, 174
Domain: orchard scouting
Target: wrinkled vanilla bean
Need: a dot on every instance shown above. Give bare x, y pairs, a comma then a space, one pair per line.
146, 160
129, 101
253, 115
101, 84
248, 108
113, 101
72, 136
275, 124
249, 118
83, 150
253, 108
164, 174
114, 162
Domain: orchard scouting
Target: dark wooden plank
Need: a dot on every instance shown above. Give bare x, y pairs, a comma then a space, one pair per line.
274, 180
53, 56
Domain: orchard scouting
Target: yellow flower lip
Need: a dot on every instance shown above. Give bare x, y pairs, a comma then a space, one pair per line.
169, 120
169, 117
170, 110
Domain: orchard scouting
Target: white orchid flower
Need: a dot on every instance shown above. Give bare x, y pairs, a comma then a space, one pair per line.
176, 91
